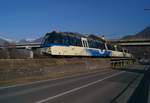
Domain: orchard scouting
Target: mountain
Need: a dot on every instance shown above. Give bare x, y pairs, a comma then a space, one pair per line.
139, 52
5, 41
26, 41
38, 40
144, 34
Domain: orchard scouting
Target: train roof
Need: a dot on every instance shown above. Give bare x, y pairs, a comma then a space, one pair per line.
95, 37
67, 33
75, 34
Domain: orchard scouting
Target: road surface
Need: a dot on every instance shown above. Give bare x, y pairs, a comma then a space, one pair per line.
99, 87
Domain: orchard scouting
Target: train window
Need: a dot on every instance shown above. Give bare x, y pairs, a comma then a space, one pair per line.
45, 40
119, 49
70, 40
64, 39
110, 47
56, 39
90, 43
96, 44
74, 41
48, 39
101, 45
78, 43
113, 47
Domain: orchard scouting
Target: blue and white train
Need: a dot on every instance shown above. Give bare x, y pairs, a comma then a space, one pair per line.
74, 44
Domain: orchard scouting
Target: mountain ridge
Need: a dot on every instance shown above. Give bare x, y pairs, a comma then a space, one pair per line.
144, 34
5, 41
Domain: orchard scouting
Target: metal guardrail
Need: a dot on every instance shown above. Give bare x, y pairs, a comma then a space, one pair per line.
121, 62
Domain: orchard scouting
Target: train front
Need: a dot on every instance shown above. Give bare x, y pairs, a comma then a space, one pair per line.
46, 44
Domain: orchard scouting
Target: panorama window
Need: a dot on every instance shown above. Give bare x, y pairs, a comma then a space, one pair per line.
75, 41
110, 47
56, 39
96, 44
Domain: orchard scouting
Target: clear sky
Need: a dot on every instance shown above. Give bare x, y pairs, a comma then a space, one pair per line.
33, 18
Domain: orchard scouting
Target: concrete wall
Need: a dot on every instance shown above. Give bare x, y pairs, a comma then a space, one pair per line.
24, 70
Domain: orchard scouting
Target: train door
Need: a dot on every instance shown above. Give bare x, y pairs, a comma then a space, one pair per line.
84, 42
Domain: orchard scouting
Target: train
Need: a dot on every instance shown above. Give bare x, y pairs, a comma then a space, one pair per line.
68, 44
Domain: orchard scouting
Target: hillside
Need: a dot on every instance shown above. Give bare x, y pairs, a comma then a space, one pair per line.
144, 34
140, 51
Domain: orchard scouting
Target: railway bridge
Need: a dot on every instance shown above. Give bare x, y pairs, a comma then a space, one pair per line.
132, 42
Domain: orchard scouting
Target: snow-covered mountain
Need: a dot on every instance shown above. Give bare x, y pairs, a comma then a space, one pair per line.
6, 41
25, 41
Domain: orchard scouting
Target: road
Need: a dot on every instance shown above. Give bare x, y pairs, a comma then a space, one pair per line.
99, 87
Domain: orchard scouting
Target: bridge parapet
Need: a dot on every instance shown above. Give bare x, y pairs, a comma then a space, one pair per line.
135, 42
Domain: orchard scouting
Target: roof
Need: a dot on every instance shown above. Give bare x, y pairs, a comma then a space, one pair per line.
91, 36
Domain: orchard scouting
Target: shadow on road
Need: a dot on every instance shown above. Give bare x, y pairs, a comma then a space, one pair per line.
141, 93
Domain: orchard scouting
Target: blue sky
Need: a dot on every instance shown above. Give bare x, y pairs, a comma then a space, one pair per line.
33, 18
